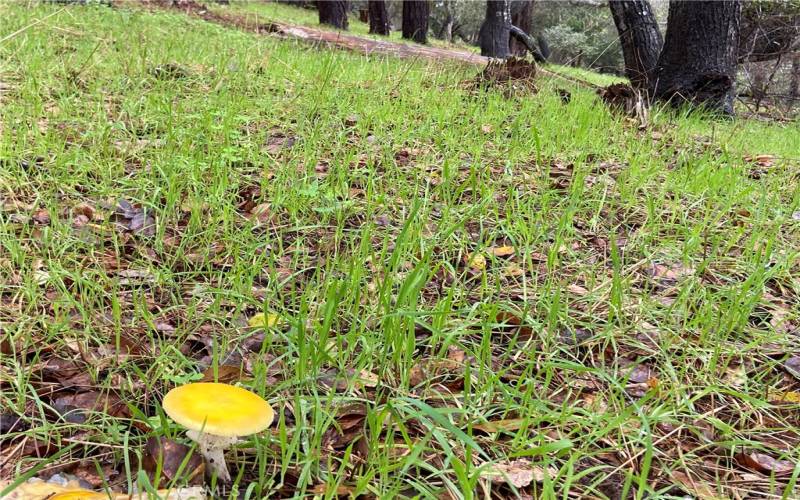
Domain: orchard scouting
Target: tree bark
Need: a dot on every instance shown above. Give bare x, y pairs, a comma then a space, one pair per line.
698, 62
496, 29
529, 43
333, 12
378, 18
522, 18
447, 26
415, 20
640, 39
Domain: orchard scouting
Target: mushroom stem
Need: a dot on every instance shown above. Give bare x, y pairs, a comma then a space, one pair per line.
213, 450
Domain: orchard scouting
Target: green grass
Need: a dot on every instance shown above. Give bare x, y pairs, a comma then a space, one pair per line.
255, 11
260, 10
656, 255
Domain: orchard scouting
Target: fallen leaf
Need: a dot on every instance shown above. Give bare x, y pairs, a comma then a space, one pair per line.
784, 397
519, 473
508, 425
135, 219
261, 213
170, 455
261, 320
349, 426
762, 160
77, 407
761, 462
87, 472
511, 323
504, 251
792, 366
42, 216
368, 379
514, 270
338, 490
669, 273
351, 121
698, 489
577, 290
226, 374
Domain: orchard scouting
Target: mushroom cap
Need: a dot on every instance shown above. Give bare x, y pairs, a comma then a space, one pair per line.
78, 495
218, 409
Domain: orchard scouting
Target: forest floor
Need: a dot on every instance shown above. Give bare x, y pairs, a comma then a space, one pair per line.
474, 288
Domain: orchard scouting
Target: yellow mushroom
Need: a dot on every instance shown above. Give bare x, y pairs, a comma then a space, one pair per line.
79, 495
216, 415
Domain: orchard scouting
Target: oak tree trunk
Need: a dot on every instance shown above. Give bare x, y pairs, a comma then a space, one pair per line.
333, 12
446, 33
496, 29
522, 18
698, 62
794, 83
378, 18
415, 20
640, 39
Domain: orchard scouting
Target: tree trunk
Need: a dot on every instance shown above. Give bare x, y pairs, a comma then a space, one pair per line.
698, 63
794, 83
378, 18
640, 39
496, 29
522, 18
449, 20
415, 20
333, 12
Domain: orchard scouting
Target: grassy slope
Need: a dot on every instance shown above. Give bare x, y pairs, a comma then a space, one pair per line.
361, 251
256, 11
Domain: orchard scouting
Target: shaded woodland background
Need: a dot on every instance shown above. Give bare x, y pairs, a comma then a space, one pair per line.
582, 33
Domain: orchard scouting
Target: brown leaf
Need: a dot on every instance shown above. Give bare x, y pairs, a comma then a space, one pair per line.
577, 290
42, 216
698, 489
764, 463
519, 473
170, 455
762, 160
513, 269
349, 426
87, 472
351, 121
671, 272
226, 374
260, 213
511, 323
134, 218
340, 490
75, 408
